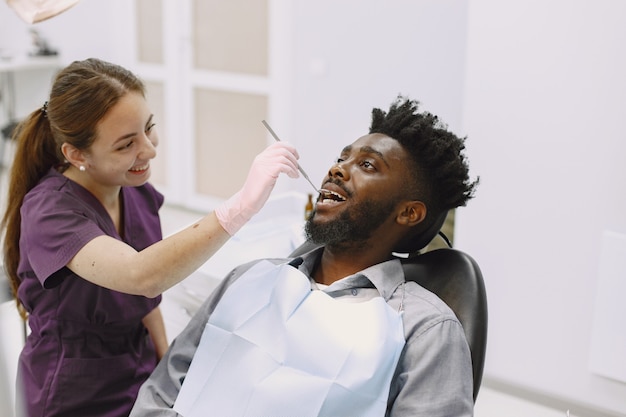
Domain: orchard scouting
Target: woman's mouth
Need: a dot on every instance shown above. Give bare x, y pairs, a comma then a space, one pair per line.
139, 169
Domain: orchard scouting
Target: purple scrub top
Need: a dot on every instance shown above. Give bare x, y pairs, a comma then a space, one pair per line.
88, 351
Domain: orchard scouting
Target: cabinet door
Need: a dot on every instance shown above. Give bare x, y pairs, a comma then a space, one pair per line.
206, 64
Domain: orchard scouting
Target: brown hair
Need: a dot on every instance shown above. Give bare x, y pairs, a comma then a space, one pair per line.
82, 93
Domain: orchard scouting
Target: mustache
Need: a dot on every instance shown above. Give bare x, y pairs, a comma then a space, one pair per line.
339, 183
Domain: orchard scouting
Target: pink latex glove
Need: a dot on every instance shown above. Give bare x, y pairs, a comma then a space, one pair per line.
277, 158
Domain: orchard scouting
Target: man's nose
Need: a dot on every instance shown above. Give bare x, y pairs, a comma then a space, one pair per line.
338, 170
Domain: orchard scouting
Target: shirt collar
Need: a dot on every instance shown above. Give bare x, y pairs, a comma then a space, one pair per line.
385, 276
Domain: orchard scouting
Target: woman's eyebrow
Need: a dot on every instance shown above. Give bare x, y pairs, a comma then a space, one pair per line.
123, 137
149, 120
130, 135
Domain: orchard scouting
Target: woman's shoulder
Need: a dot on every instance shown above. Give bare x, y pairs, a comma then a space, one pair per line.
53, 187
51, 180
146, 192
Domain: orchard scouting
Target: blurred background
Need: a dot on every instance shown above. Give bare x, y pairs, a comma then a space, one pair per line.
537, 87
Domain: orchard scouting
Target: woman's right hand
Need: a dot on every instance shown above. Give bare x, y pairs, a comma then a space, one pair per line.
277, 158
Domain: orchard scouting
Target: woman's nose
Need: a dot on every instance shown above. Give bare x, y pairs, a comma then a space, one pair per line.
150, 143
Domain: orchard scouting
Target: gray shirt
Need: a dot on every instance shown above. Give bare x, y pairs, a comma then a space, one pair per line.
433, 377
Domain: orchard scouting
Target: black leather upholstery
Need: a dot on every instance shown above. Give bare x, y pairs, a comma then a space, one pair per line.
454, 277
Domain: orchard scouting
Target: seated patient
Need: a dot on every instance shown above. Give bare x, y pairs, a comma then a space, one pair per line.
337, 331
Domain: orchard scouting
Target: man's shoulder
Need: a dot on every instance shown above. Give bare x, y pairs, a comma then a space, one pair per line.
423, 308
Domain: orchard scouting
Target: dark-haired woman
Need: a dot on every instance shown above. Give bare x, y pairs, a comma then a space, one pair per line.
83, 245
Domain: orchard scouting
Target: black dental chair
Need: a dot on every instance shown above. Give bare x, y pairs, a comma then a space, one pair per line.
454, 277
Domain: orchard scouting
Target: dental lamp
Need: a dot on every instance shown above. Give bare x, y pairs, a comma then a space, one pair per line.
34, 11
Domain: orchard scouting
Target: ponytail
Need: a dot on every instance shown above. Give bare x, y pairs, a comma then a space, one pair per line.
35, 154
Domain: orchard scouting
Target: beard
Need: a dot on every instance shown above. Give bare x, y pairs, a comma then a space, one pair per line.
353, 227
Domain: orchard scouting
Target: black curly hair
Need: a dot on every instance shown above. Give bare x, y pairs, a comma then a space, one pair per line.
440, 169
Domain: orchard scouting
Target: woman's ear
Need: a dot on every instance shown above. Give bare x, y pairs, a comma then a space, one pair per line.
412, 213
73, 155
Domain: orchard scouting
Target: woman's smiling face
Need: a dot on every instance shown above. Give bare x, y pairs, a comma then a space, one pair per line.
125, 143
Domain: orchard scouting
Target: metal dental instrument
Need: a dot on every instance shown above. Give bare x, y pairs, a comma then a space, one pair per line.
267, 126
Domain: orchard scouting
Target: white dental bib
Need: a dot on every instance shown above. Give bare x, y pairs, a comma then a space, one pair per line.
274, 348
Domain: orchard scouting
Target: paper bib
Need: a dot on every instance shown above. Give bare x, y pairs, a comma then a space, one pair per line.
274, 348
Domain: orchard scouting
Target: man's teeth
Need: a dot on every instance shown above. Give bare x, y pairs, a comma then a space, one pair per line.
143, 168
327, 195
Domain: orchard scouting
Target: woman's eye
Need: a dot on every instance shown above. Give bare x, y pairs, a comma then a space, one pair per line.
126, 145
149, 127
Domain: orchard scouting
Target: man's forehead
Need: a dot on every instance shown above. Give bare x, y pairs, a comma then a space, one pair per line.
375, 143
369, 138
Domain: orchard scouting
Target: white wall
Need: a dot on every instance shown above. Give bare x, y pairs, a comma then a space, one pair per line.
544, 111
353, 55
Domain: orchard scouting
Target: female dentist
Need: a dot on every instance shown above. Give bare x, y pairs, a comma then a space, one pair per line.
83, 246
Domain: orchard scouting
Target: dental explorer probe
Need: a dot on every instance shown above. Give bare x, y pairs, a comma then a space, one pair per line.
267, 126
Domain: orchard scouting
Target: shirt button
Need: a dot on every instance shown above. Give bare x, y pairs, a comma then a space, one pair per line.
354, 291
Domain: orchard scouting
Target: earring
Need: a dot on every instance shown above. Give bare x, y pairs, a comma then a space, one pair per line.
82, 168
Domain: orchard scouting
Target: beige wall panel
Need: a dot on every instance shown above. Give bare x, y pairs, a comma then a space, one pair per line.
231, 35
229, 134
150, 31
156, 101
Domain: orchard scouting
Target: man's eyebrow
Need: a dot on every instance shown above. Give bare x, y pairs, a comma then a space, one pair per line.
370, 150
367, 149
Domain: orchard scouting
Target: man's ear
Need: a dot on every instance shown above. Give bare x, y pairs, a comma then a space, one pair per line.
73, 155
412, 213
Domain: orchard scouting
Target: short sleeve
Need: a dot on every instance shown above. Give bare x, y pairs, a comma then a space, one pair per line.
55, 226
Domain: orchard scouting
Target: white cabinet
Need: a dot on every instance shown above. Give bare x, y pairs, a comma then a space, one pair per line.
212, 72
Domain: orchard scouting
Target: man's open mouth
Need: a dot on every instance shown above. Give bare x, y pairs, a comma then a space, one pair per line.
330, 196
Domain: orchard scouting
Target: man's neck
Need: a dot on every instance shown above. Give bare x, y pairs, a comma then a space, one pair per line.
336, 263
